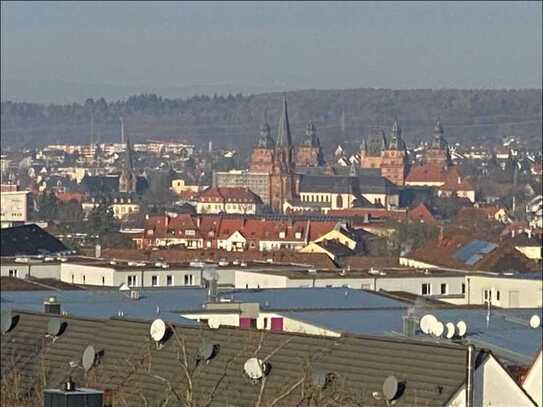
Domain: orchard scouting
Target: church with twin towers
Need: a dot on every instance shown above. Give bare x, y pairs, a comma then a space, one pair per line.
291, 176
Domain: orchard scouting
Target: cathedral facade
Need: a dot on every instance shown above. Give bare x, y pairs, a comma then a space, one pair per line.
389, 155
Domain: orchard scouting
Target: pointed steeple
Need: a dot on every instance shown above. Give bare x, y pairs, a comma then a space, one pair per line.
439, 141
129, 164
396, 142
283, 129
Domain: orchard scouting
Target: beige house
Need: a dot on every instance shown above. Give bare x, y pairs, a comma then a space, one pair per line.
505, 291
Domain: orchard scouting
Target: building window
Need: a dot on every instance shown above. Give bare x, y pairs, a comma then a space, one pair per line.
497, 295
186, 279
12, 273
154, 281
83, 278
169, 280
485, 294
443, 288
463, 288
265, 323
103, 280
426, 289
132, 281
72, 278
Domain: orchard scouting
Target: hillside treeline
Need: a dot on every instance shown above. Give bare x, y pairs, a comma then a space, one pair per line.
341, 116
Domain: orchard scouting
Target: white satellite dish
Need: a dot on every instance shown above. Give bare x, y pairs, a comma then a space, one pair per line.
462, 328
157, 330
390, 388
254, 368
214, 324
535, 321
451, 330
438, 328
426, 323
89, 356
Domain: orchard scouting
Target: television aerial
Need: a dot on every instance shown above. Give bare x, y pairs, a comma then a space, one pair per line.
438, 328
451, 330
55, 327
390, 388
7, 321
89, 357
158, 330
462, 328
427, 322
255, 368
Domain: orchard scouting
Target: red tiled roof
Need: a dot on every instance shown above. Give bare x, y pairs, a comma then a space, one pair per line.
69, 196
455, 182
427, 173
234, 194
421, 213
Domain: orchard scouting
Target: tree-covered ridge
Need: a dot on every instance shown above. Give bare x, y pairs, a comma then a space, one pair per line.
340, 116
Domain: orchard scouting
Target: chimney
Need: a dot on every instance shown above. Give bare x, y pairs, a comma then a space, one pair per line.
98, 251
51, 306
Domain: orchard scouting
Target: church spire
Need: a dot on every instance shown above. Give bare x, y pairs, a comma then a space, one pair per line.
283, 129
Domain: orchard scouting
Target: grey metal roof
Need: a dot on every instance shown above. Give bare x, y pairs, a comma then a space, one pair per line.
508, 334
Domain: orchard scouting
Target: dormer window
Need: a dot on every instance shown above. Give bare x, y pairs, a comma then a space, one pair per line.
298, 235
281, 235
190, 232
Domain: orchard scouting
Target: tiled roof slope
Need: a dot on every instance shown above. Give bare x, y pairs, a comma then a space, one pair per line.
135, 372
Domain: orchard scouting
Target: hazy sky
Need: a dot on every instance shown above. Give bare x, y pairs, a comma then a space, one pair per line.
292, 45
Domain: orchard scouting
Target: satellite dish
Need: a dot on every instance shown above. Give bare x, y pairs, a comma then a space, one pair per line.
214, 324
158, 330
462, 328
54, 326
89, 356
206, 351
7, 321
438, 328
451, 330
426, 323
535, 321
390, 388
321, 378
254, 368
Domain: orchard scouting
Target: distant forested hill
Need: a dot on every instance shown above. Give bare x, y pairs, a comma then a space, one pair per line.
341, 116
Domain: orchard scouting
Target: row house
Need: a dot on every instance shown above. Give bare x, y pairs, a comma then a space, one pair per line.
230, 233
233, 200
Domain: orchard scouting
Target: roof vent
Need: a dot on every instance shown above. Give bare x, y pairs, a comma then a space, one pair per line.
312, 271
373, 271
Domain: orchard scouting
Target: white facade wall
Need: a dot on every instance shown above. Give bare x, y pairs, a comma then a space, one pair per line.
38, 270
453, 285
263, 322
247, 279
406, 261
492, 387
108, 276
88, 275
504, 292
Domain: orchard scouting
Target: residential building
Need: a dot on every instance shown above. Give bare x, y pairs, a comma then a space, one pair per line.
233, 200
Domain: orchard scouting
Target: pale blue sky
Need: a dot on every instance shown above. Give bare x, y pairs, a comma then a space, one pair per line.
287, 45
